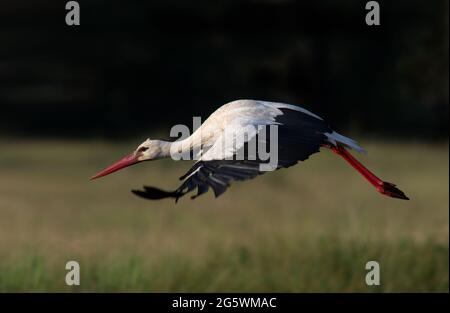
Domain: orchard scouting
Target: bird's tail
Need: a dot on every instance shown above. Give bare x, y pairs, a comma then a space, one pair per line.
382, 187
336, 139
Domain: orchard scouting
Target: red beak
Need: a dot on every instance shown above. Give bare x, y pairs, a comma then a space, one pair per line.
125, 162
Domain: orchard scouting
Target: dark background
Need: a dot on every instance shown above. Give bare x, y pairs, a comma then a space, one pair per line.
141, 66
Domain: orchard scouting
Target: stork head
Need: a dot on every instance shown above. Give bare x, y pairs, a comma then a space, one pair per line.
146, 151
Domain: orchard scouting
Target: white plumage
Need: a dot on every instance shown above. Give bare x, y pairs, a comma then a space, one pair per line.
236, 117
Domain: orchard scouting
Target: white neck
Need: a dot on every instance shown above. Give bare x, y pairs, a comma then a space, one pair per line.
184, 146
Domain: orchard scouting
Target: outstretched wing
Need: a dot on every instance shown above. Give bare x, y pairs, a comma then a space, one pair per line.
216, 175
299, 134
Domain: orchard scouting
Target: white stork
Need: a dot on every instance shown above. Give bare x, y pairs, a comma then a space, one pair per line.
300, 133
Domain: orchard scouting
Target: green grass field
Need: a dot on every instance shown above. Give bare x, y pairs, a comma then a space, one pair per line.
310, 228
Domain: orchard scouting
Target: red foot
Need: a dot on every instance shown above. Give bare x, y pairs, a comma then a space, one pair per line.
390, 190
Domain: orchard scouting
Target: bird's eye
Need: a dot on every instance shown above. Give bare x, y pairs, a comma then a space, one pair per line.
142, 149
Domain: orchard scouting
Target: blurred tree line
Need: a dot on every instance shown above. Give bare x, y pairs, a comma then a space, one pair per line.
139, 66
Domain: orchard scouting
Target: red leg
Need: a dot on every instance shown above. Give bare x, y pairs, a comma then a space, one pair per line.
382, 187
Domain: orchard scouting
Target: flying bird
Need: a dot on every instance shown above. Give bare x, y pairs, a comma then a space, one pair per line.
224, 151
